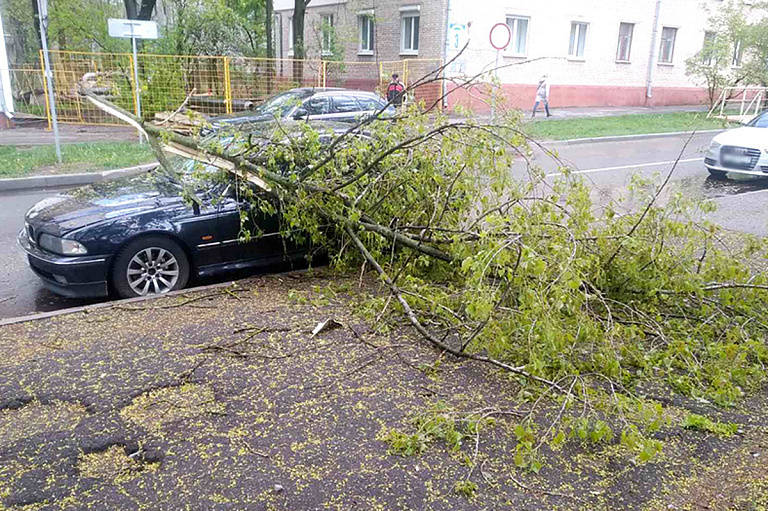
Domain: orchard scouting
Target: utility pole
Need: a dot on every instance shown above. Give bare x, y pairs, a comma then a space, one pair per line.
42, 6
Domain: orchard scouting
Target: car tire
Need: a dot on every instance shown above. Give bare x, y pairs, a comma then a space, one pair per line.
718, 174
150, 265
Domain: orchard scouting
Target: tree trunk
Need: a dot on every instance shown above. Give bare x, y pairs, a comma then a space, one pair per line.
299, 10
269, 28
147, 8
36, 18
130, 9
142, 12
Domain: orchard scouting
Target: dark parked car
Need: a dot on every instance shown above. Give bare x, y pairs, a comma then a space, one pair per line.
138, 236
315, 104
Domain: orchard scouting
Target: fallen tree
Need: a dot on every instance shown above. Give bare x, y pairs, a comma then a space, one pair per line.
602, 310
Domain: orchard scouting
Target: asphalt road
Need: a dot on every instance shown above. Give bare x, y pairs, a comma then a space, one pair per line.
742, 201
742, 204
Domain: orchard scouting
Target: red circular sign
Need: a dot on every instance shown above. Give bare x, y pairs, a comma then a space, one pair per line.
500, 36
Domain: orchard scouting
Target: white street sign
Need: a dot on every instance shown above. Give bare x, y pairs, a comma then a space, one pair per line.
129, 29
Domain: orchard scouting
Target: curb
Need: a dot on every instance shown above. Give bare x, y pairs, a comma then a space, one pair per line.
28, 183
109, 303
626, 138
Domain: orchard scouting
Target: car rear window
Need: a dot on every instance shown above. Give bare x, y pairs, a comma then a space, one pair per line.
318, 105
344, 104
367, 103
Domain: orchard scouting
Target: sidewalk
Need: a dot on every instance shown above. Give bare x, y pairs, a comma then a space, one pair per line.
611, 111
76, 133
68, 134
604, 111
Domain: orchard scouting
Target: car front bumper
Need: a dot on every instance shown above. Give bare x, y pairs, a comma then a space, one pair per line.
712, 161
76, 277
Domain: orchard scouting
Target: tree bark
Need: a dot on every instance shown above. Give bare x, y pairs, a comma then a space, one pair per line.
134, 11
268, 26
299, 10
270, 32
36, 18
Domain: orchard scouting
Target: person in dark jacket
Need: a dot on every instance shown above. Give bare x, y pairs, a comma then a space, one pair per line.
395, 91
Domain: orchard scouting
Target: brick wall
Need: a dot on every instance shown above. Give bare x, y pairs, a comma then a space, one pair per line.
387, 31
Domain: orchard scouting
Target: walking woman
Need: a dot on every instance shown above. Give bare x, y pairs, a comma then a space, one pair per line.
542, 96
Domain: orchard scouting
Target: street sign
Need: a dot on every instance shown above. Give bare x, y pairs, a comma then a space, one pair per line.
457, 36
500, 36
128, 29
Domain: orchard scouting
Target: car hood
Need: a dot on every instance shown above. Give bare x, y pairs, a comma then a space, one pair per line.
756, 138
92, 204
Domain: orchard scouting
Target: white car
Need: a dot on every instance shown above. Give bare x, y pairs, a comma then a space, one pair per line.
741, 151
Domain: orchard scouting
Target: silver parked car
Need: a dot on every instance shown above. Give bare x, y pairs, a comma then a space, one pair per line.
741, 150
312, 104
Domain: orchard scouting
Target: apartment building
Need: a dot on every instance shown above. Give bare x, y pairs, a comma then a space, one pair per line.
595, 52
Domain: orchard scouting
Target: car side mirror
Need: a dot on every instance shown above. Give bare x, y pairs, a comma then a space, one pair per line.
195, 207
300, 114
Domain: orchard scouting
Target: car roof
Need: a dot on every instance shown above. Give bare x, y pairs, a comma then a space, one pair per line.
332, 91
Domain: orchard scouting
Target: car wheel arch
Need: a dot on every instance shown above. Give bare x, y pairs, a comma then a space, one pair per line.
148, 234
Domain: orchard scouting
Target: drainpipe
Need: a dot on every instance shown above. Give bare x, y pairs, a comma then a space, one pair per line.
652, 59
446, 46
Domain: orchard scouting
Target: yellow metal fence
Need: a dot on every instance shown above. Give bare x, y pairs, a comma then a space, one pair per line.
215, 84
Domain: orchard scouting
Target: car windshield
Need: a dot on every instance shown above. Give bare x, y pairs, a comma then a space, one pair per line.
192, 172
761, 121
280, 105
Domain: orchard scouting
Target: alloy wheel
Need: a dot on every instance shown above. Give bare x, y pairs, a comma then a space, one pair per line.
152, 270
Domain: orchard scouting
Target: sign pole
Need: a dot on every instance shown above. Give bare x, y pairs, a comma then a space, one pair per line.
133, 29
493, 91
506, 38
42, 9
136, 80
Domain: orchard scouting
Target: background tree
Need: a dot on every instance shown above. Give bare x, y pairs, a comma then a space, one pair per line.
139, 10
713, 66
299, 50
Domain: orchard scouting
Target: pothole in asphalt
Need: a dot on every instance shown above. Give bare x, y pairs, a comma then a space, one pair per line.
154, 409
114, 465
36, 418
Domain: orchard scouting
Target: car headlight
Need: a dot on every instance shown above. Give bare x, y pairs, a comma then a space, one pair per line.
61, 245
714, 146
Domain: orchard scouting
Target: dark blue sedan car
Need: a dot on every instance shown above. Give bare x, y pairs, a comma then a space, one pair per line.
138, 236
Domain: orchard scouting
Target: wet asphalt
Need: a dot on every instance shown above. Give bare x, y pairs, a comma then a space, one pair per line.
742, 203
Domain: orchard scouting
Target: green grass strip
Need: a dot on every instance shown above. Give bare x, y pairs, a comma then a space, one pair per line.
85, 157
637, 124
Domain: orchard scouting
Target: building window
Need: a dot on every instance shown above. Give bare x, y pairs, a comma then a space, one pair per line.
738, 52
365, 22
327, 34
410, 32
708, 49
624, 50
667, 53
578, 39
519, 42
290, 36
